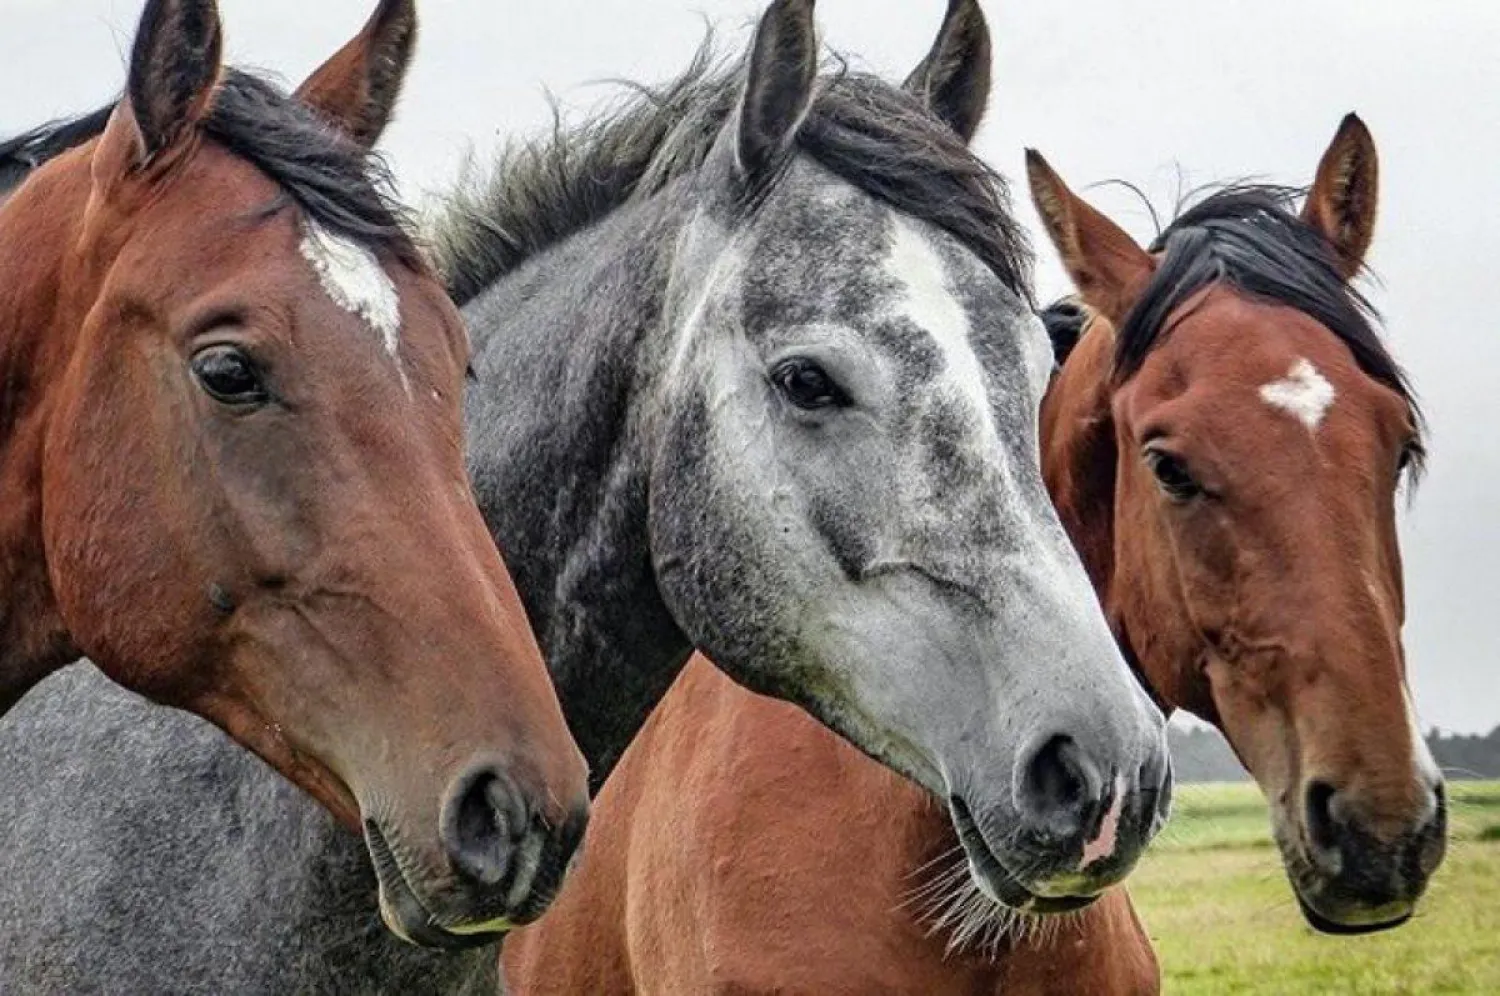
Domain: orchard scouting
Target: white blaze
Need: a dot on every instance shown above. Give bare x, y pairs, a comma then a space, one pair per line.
1304, 393
928, 302
356, 282
1426, 764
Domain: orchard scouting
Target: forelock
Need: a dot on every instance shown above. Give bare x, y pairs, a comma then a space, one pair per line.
1251, 239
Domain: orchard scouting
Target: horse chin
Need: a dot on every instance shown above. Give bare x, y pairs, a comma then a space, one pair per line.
1328, 915
405, 915
1050, 905
997, 882
1376, 922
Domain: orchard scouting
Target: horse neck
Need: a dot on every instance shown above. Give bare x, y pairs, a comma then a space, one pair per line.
1079, 454
39, 326
1080, 461
558, 430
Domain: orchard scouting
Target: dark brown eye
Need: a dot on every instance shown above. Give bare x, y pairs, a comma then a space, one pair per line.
1172, 475
228, 376
807, 385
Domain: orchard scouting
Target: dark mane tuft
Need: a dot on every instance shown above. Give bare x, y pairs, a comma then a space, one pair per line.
1251, 238
30, 149
868, 132
1065, 320
335, 181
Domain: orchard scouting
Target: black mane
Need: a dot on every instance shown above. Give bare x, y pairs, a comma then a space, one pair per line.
1065, 321
28, 150
869, 133
1251, 238
338, 183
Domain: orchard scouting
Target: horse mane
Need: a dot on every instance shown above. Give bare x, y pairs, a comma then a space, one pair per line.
335, 181
20, 155
1250, 237
1065, 320
866, 131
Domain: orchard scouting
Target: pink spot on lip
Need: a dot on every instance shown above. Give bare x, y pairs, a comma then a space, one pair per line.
1103, 845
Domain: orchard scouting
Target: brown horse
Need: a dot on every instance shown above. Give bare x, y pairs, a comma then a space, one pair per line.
739, 848
1211, 476
1245, 546
232, 460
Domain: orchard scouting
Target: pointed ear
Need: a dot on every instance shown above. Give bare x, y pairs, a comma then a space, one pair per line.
358, 87
1343, 198
954, 79
174, 66
1106, 265
778, 90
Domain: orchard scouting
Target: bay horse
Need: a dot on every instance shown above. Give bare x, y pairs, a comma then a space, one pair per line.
231, 453
1236, 449
742, 346
1260, 432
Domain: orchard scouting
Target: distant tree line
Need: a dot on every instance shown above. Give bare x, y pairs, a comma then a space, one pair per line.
1471, 756
1202, 755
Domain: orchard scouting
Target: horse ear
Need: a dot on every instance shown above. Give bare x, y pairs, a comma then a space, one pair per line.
954, 79
357, 88
778, 90
1342, 202
1106, 265
174, 66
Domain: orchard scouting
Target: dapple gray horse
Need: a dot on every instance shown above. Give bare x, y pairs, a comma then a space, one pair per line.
756, 372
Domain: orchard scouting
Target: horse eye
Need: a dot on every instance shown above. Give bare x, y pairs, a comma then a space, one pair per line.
229, 376
1172, 475
807, 385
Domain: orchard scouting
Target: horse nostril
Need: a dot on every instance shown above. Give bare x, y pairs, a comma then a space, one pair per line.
482, 821
1061, 786
1053, 776
1322, 827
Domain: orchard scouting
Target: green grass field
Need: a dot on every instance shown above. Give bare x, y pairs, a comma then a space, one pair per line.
1223, 919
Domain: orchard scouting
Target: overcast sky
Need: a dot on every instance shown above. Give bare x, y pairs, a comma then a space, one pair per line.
1146, 90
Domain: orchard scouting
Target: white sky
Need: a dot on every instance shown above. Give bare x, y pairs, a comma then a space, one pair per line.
1137, 89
